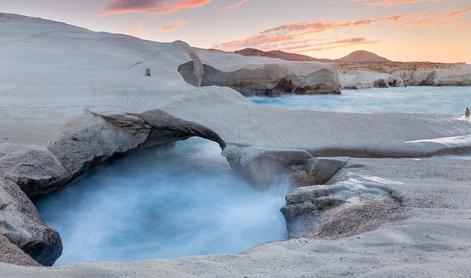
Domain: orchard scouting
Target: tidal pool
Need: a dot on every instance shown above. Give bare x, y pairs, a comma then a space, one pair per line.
162, 204
434, 100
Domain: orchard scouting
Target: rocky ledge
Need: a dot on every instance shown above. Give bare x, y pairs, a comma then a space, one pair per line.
266, 80
397, 74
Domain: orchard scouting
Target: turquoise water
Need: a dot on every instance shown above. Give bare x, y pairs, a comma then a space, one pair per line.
163, 204
435, 100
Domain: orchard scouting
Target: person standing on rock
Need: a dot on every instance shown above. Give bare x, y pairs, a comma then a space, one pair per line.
467, 113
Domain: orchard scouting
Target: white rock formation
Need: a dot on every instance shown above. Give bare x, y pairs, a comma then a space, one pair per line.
362, 76
72, 98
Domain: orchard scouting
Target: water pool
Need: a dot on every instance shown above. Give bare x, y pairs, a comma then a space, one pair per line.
163, 204
434, 100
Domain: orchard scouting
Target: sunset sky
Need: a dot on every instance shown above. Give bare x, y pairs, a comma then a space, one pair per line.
402, 30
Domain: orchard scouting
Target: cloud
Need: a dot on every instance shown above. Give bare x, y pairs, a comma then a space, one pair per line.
380, 3
456, 13
151, 6
317, 27
303, 37
337, 44
289, 36
237, 4
173, 26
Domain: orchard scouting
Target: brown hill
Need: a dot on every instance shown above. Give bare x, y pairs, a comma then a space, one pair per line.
277, 54
363, 56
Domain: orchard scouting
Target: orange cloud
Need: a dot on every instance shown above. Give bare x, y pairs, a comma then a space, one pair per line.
456, 13
173, 26
317, 27
338, 44
290, 36
302, 37
380, 3
238, 4
151, 6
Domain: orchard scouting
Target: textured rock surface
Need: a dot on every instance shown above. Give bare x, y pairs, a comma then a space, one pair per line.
268, 79
395, 74
261, 166
22, 226
346, 207
10, 253
319, 170
69, 104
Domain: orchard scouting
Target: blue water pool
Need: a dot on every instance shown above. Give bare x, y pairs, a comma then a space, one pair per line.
163, 204
435, 100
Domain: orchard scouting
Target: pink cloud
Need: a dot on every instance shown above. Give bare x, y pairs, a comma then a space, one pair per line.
456, 13
238, 4
317, 27
380, 3
339, 44
302, 37
291, 35
151, 6
173, 26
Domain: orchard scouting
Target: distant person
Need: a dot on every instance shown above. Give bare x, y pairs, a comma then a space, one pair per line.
467, 113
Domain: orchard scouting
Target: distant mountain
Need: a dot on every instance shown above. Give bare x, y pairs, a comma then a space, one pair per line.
278, 54
363, 56
360, 56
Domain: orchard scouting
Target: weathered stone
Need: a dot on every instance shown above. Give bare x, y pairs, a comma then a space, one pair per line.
10, 253
262, 166
21, 224
35, 170
168, 129
319, 170
351, 205
268, 80
396, 74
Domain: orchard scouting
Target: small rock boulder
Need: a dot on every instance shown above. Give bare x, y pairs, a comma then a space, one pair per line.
319, 170
262, 166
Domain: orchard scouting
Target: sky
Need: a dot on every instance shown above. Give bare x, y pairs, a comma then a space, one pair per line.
401, 30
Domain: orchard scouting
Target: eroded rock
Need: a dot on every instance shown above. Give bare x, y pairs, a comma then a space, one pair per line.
262, 166
396, 74
267, 80
168, 129
319, 170
35, 170
350, 206
21, 224
10, 253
